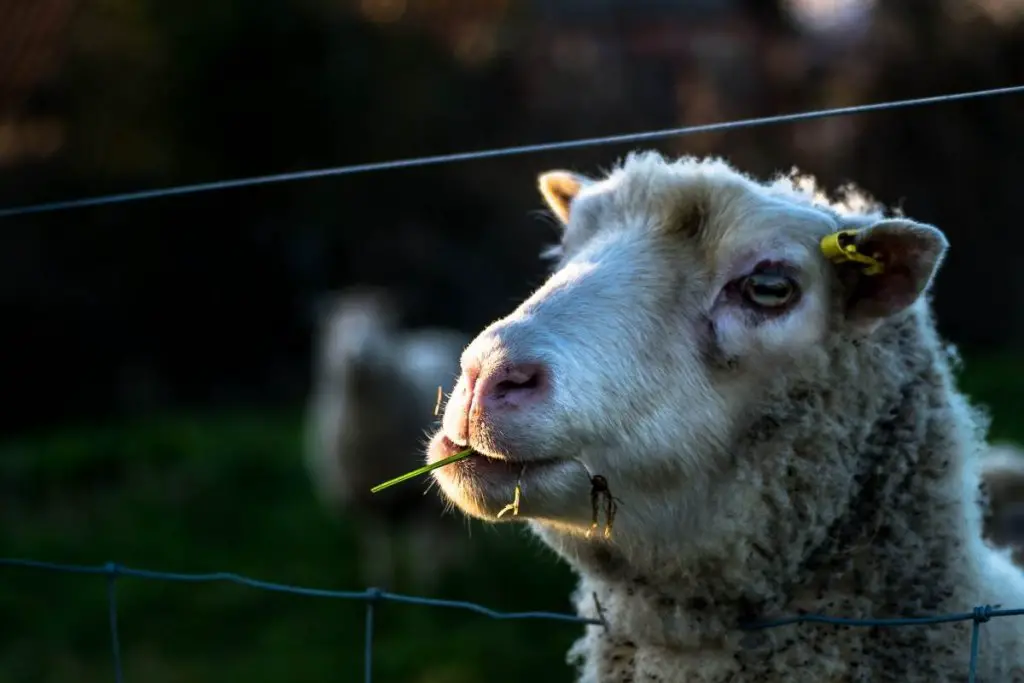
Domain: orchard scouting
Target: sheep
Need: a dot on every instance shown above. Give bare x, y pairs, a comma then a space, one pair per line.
371, 406
1002, 480
782, 433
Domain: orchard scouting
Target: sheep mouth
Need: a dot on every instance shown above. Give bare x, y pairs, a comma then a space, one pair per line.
484, 486
491, 472
446, 448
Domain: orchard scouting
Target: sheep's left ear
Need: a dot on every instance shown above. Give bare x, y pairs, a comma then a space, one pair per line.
907, 254
559, 189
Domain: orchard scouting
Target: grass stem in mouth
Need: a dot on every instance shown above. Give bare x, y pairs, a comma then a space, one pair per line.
461, 455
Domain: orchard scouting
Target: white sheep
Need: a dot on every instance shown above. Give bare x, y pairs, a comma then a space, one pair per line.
1002, 480
372, 403
782, 433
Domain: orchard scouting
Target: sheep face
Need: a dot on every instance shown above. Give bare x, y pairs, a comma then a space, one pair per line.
684, 295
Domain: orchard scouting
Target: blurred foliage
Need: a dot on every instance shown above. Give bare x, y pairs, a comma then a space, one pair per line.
228, 493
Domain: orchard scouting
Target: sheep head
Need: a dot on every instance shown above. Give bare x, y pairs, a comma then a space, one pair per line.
686, 300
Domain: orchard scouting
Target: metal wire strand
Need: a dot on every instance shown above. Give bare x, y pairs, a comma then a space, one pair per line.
373, 597
502, 152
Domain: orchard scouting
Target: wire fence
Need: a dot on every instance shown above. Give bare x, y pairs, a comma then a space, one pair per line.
506, 151
372, 597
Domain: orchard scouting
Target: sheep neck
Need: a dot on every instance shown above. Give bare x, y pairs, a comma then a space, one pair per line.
887, 536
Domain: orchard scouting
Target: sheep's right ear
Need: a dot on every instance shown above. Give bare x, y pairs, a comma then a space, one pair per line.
559, 189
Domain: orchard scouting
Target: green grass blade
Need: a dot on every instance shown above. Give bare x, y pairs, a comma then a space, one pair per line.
461, 455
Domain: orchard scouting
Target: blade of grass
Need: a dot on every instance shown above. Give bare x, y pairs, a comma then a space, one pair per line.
461, 455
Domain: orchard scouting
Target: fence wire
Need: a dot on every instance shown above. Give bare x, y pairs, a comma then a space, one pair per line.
374, 596
505, 151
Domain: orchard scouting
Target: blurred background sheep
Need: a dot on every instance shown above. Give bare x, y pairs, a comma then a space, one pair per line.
374, 392
1002, 475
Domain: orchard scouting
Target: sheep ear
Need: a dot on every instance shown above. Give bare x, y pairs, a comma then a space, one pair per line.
902, 257
559, 189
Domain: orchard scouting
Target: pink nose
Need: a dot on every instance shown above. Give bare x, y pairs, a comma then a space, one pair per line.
485, 395
509, 386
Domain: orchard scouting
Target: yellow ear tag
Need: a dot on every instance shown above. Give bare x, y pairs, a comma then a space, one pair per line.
840, 248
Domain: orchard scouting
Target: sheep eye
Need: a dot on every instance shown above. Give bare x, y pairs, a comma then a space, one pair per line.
768, 290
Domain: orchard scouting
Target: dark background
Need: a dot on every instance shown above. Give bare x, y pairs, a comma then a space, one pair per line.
156, 354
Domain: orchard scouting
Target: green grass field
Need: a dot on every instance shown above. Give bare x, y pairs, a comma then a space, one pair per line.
228, 492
